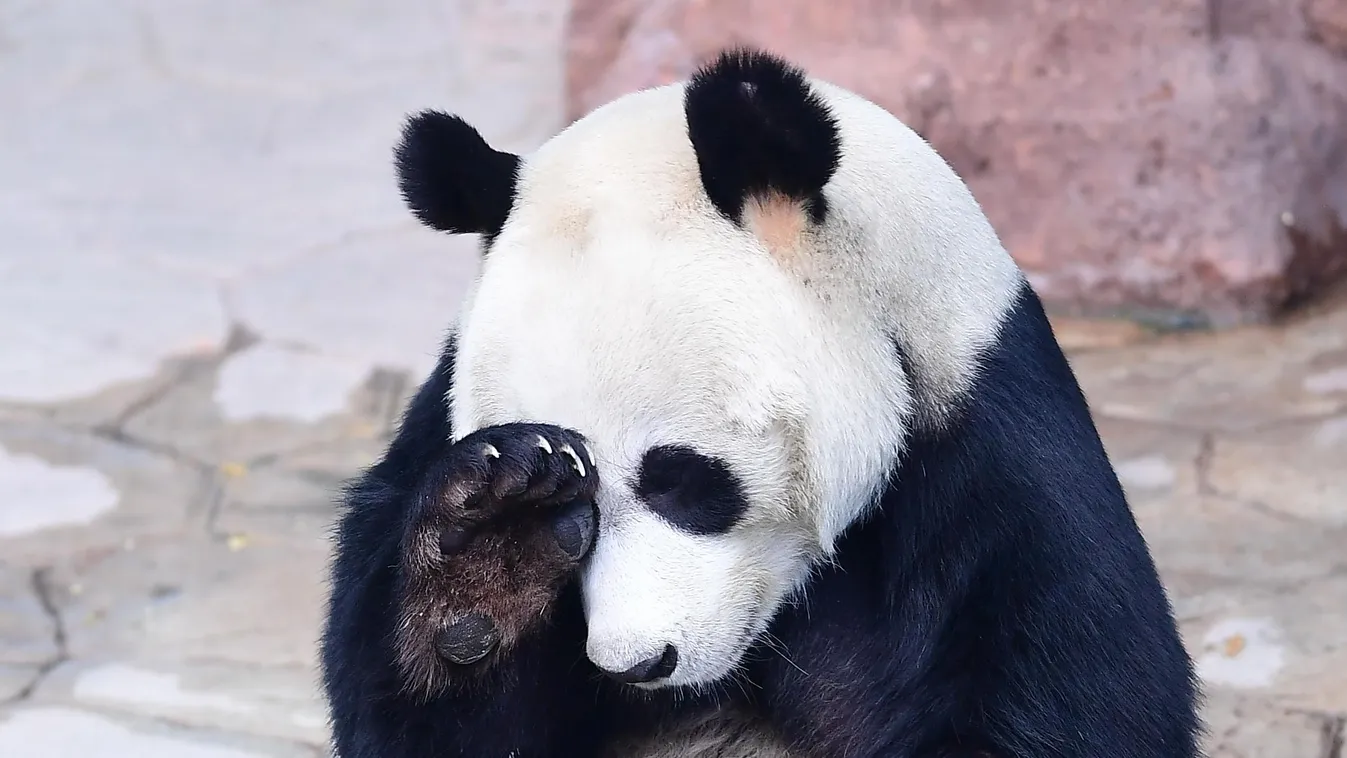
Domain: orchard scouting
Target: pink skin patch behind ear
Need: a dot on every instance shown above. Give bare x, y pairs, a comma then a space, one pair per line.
776, 220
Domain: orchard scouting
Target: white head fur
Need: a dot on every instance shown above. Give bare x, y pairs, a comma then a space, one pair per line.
619, 300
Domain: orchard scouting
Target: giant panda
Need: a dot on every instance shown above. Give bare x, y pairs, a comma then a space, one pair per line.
750, 440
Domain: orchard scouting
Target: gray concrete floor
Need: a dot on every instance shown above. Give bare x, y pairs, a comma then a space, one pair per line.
212, 305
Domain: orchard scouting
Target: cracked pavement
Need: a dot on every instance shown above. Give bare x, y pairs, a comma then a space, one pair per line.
215, 306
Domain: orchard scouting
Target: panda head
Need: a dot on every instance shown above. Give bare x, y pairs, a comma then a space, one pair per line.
746, 290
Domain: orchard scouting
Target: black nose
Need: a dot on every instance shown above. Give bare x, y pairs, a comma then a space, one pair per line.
650, 669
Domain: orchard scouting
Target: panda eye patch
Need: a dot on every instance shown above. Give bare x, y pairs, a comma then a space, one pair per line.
694, 492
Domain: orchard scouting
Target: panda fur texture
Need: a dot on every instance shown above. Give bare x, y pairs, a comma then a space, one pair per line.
750, 440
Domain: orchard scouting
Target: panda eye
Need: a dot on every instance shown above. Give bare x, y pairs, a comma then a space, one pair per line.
696, 493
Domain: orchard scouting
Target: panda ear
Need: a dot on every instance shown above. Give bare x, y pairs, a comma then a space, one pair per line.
451, 179
759, 129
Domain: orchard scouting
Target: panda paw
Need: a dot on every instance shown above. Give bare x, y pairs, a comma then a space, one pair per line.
498, 529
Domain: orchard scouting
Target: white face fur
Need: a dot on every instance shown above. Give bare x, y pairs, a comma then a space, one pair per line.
618, 302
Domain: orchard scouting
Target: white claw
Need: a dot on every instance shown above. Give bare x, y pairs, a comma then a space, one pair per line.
544, 444
491, 451
575, 459
590, 455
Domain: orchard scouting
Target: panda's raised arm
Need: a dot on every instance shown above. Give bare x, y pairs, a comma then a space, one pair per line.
453, 627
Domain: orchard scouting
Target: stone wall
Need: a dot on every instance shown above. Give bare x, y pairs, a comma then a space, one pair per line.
1177, 160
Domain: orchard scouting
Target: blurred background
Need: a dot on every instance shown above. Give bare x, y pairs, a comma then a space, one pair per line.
213, 306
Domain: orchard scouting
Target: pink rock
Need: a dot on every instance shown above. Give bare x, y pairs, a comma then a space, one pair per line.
1180, 160
1327, 22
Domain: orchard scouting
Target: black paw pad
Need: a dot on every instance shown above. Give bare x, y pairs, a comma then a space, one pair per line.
574, 528
453, 540
468, 640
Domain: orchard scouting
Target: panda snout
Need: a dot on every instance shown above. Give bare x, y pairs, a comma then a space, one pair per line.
651, 669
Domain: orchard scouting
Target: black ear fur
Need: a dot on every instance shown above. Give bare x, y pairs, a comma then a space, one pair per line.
757, 126
451, 179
